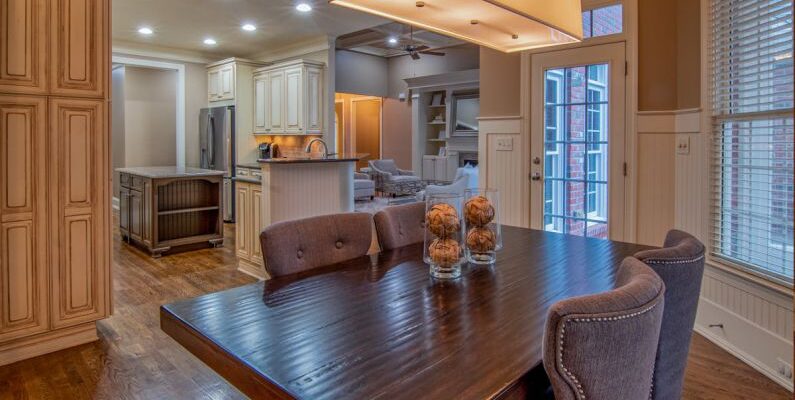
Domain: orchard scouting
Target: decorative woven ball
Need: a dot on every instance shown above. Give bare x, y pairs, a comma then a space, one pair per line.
442, 220
478, 211
481, 240
444, 252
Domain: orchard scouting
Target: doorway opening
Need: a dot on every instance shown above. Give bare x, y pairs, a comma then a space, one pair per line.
359, 125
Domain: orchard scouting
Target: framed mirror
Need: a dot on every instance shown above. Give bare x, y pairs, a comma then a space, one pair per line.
466, 109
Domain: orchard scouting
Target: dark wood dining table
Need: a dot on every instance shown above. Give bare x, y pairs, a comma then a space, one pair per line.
380, 327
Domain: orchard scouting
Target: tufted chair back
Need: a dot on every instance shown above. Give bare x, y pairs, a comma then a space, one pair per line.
680, 264
399, 226
602, 346
299, 245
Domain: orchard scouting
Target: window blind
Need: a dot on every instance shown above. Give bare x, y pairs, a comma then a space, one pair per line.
752, 98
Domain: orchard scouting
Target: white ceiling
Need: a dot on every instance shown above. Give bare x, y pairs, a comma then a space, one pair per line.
184, 24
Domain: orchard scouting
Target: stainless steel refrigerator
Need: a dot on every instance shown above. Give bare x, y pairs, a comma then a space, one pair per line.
217, 150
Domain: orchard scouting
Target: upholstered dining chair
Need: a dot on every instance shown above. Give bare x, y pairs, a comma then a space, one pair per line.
680, 264
399, 226
299, 245
602, 346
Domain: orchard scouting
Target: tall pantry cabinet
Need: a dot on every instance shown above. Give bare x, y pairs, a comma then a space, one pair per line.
54, 174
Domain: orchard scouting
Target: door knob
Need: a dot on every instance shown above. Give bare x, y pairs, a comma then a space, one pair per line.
535, 176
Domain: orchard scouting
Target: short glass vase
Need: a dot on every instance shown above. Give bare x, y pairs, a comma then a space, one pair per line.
443, 247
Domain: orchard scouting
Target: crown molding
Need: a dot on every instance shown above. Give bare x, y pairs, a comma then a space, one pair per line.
315, 44
123, 47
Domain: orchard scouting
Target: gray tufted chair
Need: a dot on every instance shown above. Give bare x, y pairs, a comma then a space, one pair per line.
294, 246
602, 346
399, 226
680, 264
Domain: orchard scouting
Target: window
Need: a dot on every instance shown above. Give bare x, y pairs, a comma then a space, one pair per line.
603, 21
752, 95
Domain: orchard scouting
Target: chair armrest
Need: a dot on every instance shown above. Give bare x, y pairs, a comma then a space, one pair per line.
405, 172
359, 175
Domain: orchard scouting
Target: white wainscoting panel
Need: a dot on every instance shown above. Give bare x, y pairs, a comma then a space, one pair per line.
504, 169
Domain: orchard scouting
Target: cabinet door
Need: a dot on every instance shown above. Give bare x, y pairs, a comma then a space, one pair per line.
314, 100
124, 211
428, 168
293, 101
440, 168
136, 215
80, 255
276, 101
78, 47
227, 82
213, 84
256, 221
242, 220
261, 120
23, 219
23, 46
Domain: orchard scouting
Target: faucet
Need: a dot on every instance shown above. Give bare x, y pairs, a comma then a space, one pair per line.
325, 147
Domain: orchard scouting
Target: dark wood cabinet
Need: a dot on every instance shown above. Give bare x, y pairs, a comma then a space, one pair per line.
162, 208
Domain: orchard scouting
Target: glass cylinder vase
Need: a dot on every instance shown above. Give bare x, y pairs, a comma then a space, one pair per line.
482, 229
443, 249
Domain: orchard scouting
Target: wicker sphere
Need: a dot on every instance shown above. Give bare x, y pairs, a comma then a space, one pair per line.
478, 211
481, 240
442, 220
444, 252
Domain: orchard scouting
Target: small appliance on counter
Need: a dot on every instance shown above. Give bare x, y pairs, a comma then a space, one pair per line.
268, 151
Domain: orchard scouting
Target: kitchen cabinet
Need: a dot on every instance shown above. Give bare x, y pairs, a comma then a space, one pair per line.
440, 168
289, 98
248, 225
55, 197
221, 82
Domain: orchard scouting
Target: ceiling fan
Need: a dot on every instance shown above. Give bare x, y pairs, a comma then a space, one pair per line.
415, 50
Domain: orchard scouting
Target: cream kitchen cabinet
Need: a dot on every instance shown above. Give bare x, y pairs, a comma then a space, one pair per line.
248, 224
221, 82
440, 168
289, 98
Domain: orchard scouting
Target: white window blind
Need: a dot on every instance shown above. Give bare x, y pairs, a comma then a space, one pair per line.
752, 95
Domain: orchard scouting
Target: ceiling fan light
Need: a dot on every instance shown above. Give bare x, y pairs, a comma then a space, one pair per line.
534, 22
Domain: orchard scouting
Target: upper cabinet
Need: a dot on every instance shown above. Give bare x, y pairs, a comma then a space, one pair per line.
23, 49
78, 49
222, 77
288, 98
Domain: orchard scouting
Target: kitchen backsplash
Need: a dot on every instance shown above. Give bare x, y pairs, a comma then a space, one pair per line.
292, 146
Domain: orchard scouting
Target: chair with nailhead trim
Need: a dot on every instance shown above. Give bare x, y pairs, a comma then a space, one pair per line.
290, 247
602, 346
399, 226
680, 264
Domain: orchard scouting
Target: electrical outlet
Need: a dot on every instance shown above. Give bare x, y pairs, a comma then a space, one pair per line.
784, 369
683, 145
505, 144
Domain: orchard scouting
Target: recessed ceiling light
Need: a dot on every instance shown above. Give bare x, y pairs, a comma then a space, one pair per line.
145, 30
303, 7
248, 27
392, 40
210, 41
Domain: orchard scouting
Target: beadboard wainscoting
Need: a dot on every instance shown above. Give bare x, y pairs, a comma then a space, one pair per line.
502, 167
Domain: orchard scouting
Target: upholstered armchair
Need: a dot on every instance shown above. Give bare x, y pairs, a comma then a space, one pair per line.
363, 186
392, 180
458, 186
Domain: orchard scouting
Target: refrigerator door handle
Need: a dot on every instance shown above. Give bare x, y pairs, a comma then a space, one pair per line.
211, 140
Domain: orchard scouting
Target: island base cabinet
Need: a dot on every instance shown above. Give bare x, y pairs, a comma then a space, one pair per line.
248, 225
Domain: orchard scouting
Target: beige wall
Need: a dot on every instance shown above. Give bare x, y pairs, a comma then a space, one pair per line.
688, 61
117, 124
499, 83
149, 117
396, 133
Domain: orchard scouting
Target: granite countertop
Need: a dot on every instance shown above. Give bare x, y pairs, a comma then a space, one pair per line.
247, 180
249, 165
343, 157
168, 172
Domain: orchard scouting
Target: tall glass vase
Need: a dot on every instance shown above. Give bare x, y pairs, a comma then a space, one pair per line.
482, 229
443, 249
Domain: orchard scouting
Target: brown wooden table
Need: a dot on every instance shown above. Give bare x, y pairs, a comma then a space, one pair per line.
381, 327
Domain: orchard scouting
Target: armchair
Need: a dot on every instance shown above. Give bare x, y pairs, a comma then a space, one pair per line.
392, 180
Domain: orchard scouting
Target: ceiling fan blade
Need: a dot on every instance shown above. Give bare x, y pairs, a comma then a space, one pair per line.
414, 55
432, 53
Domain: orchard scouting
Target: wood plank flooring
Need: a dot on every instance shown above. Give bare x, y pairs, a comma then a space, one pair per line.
135, 360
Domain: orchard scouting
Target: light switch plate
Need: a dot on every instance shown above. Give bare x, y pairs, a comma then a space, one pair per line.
505, 144
683, 145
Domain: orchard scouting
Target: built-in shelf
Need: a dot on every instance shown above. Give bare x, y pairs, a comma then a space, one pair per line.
437, 140
188, 210
437, 123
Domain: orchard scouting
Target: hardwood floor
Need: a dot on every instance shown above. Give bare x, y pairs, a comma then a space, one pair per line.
135, 360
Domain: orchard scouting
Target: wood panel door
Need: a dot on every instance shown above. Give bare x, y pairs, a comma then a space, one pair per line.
23, 46
314, 100
78, 47
276, 101
227, 82
293, 100
261, 123
23, 219
80, 258
242, 219
256, 221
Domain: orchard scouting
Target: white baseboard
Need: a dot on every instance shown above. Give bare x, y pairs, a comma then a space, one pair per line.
752, 344
115, 203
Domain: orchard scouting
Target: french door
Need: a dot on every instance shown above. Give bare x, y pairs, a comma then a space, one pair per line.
577, 141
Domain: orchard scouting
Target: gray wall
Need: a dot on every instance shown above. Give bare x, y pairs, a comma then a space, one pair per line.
117, 124
362, 74
458, 58
150, 126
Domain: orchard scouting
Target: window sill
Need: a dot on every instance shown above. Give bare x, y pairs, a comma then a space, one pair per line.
781, 288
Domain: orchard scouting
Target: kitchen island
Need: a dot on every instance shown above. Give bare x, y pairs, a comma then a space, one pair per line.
161, 208
291, 188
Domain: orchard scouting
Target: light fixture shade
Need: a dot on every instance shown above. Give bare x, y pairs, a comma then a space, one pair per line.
505, 25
